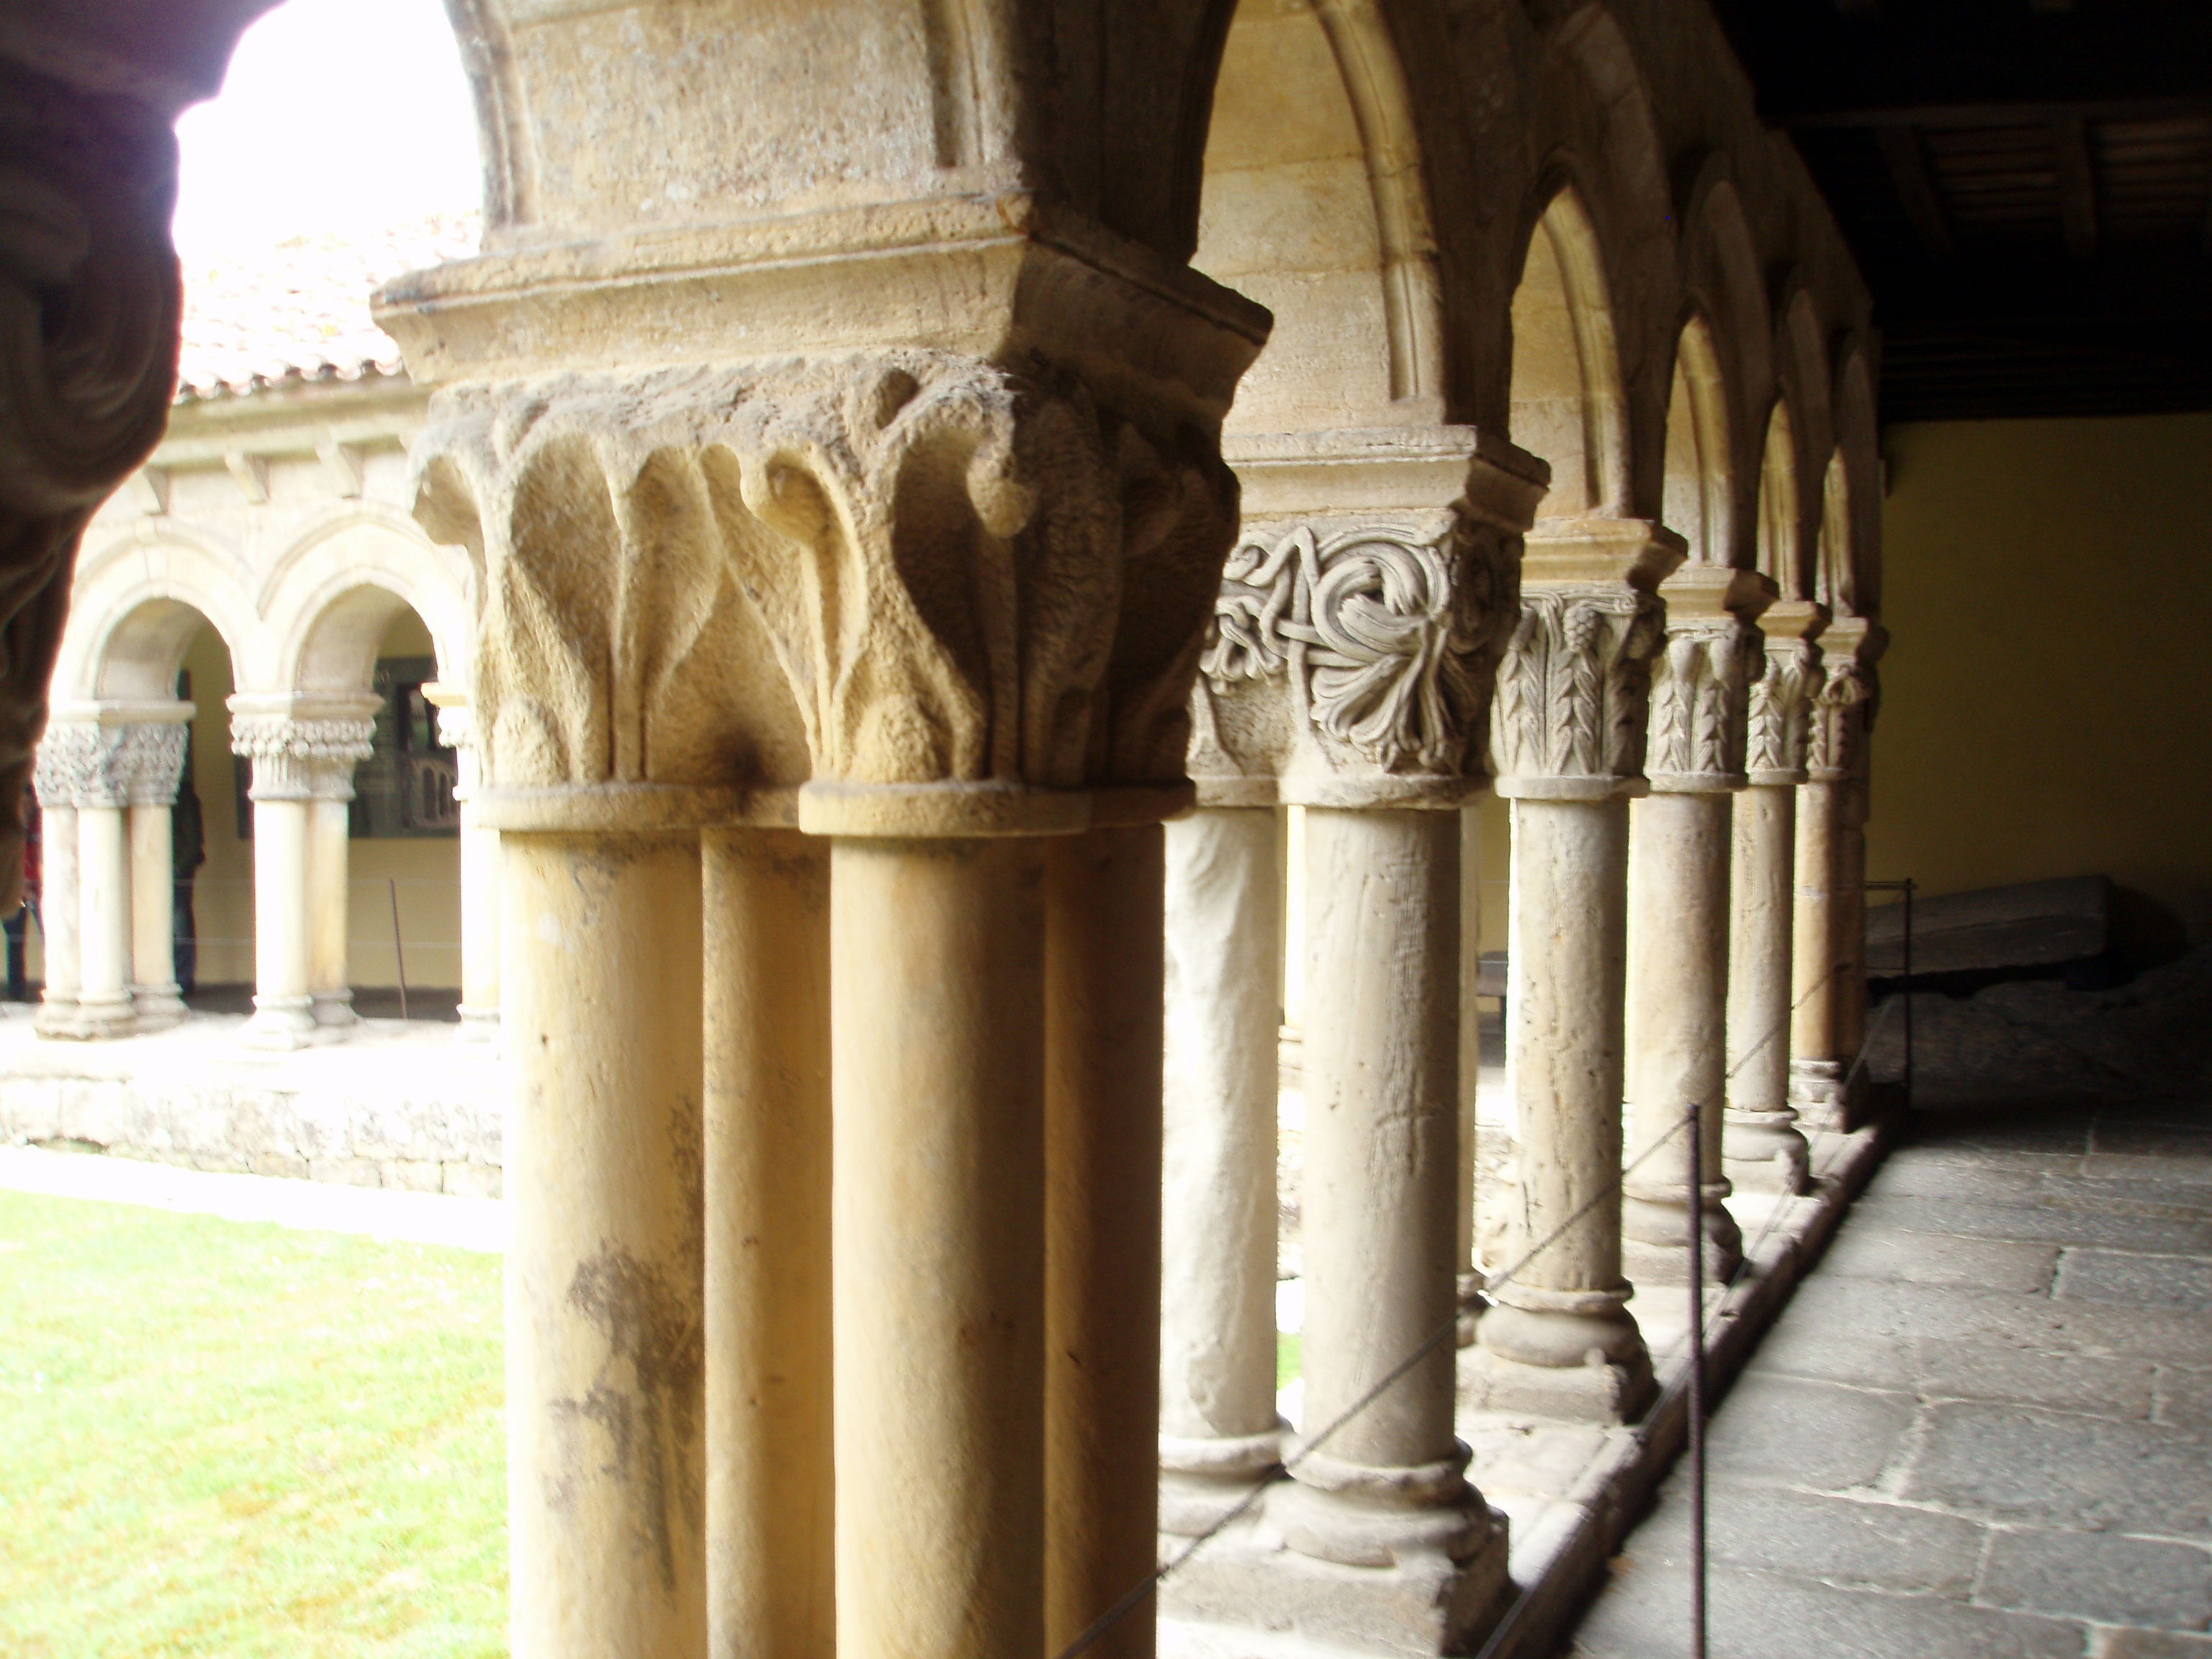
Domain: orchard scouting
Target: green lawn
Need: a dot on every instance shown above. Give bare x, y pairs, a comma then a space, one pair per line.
241, 1440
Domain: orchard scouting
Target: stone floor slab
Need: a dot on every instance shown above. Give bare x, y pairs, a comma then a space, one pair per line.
2039, 1223
1817, 1435
2009, 1463
1949, 1370
1939, 1259
1834, 1541
2100, 1576
2142, 1281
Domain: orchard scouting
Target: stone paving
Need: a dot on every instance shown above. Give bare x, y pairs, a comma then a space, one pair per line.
1983, 1426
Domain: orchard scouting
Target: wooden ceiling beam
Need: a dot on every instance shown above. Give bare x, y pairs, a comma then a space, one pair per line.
1916, 189
2077, 186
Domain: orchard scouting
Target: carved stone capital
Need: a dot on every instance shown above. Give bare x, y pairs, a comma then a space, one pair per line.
1350, 659
1701, 681
154, 762
297, 758
1843, 705
72, 756
1574, 687
931, 589
1779, 718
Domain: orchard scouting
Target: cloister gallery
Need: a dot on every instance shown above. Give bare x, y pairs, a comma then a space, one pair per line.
964, 547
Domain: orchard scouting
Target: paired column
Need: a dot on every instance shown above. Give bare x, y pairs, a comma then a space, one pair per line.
457, 730
1348, 674
66, 754
303, 758
1828, 974
1568, 732
1677, 923
1761, 1145
157, 756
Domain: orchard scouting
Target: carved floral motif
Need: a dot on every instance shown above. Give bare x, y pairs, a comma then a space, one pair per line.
1838, 723
1780, 715
1572, 690
1700, 684
302, 759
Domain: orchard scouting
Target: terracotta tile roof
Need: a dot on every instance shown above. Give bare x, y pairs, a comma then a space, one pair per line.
298, 311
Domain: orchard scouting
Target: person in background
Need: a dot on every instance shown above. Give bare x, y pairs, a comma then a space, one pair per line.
18, 926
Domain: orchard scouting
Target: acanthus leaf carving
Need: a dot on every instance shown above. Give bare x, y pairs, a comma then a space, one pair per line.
1700, 686
1838, 722
1778, 722
1573, 687
302, 759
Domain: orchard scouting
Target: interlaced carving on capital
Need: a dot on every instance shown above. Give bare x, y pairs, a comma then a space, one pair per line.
154, 762
69, 754
1357, 647
1573, 689
965, 574
1837, 733
302, 759
1700, 689
1779, 729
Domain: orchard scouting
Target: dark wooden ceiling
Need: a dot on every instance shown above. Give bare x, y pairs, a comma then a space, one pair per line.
2027, 185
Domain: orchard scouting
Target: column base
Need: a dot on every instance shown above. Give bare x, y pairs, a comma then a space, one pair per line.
333, 1012
478, 1024
280, 1023
1762, 1151
101, 1018
1605, 1391
158, 1006
56, 1020
1654, 1247
1202, 1479
1425, 1603
1816, 1092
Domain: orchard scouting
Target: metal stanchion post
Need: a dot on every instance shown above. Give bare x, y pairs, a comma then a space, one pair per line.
1696, 1387
399, 951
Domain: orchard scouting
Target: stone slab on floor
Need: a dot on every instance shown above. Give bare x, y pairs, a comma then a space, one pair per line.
401, 1104
1998, 1381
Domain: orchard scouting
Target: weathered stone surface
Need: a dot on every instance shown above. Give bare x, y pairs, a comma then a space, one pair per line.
2150, 1644
2004, 1463
351, 1171
471, 1180
1810, 1434
1949, 1370
2097, 1576
2142, 1281
1973, 1219
1934, 1258
1645, 1615
2021, 926
1841, 1541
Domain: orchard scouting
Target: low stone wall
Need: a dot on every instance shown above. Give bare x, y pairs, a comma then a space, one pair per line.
395, 1104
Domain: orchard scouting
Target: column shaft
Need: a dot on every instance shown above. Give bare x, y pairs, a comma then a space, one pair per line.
479, 926
327, 897
770, 1533
1675, 1033
1566, 969
58, 919
1815, 1074
1218, 1427
937, 1022
605, 1352
1104, 969
1382, 1173
1849, 911
1470, 1038
283, 1016
105, 920
153, 987
1761, 1144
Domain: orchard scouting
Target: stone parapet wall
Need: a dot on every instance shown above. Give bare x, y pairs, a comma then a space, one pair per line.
402, 1107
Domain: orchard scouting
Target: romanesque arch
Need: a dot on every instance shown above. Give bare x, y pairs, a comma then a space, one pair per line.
1781, 510
1699, 501
1569, 408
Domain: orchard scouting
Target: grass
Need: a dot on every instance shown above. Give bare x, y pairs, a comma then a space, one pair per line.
1290, 1354
226, 1439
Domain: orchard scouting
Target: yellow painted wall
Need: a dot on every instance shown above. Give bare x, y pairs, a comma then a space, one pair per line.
2047, 697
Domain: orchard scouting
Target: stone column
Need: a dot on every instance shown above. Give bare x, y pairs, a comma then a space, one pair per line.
66, 753
1828, 917
302, 756
329, 895
1675, 1026
479, 1007
1470, 1053
770, 1471
1218, 1428
1761, 1146
1349, 674
1568, 733
157, 761
605, 1345
103, 872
